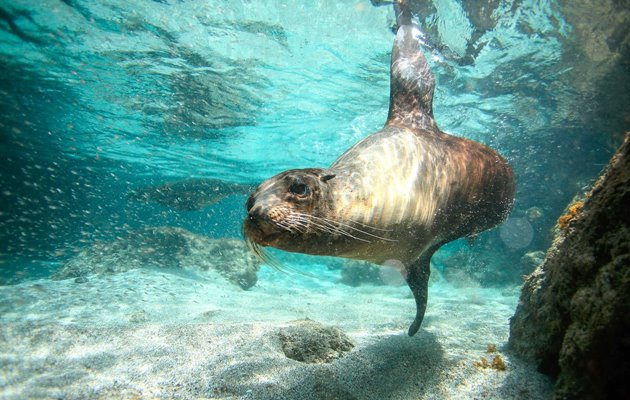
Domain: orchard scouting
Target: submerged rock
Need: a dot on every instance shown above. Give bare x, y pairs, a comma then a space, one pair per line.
311, 342
573, 317
165, 247
356, 273
191, 194
464, 269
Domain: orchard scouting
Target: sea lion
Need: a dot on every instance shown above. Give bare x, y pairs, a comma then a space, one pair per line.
394, 197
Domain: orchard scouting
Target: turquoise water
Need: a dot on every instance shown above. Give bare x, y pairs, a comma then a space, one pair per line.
100, 98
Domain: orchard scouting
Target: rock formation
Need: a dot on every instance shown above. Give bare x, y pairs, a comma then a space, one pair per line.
573, 317
165, 247
311, 342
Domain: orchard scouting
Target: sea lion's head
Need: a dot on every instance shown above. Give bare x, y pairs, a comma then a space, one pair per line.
287, 210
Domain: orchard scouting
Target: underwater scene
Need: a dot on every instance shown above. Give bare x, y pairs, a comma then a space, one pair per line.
140, 256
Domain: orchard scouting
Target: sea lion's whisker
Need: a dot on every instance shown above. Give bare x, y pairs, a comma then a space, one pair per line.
284, 225
297, 219
297, 224
263, 256
334, 229
306, 221
323, 228
332, 223
357, 223
366, 233
371, 227
290, 226
268, 259
362, 231
328, 226
303, 221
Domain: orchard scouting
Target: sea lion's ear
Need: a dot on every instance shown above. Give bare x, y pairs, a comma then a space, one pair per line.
326, 177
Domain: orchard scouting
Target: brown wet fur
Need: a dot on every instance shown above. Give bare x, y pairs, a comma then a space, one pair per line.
399, 194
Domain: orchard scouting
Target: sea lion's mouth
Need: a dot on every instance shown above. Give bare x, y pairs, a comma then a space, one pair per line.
260, 232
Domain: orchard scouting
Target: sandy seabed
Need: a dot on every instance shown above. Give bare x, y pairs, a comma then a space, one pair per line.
179, 335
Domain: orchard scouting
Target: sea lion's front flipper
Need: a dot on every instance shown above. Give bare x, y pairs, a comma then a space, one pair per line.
418, 280
412, 83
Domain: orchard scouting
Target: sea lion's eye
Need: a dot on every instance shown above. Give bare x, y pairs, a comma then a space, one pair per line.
299, 189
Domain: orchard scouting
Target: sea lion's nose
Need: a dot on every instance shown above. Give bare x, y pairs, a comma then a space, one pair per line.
255, 213
258, 221
253, 210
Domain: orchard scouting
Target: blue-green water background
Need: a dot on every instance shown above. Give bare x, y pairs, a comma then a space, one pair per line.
100, 97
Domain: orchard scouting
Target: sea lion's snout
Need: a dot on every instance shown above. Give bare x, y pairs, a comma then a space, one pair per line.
266, 212
254, 211
254, 217
258, 224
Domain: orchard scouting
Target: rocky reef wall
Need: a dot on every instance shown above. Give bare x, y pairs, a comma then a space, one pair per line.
573, 316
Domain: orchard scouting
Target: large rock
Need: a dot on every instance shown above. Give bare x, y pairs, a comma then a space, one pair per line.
165, 247
573, 318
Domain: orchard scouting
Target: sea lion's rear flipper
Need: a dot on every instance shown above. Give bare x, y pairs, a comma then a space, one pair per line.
412, 83
418, 280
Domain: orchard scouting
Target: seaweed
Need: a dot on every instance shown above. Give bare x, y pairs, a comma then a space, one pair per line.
497, 362
572, 212
482, 363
